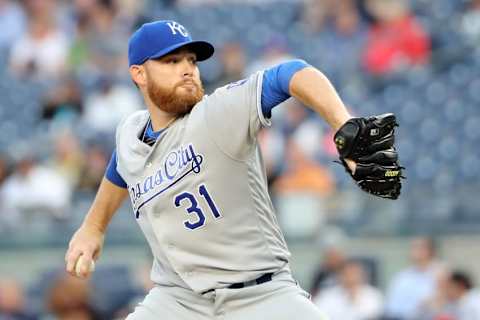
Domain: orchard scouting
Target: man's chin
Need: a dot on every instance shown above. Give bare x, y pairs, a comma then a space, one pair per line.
184, 103
188, 95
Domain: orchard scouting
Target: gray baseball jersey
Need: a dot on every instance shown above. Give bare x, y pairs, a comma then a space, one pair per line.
200, 192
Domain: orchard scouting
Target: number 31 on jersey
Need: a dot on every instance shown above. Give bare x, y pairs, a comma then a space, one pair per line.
193, 209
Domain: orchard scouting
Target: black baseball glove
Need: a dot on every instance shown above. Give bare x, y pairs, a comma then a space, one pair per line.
370, 143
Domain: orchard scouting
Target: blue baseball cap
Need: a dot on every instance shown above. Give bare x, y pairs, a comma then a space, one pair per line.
156, 39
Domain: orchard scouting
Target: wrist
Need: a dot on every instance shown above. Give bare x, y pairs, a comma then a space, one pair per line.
341, 120
93, 226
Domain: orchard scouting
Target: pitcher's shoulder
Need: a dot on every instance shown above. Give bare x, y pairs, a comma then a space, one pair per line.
137, 117
237, 85
134, 120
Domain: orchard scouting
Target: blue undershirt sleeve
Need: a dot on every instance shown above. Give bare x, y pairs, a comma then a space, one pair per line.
112, 174
276, 83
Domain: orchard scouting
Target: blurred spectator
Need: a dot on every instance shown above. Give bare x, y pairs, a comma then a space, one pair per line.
274, 52
302, 174
12, 301
41, 53
232, 57
434, 307
69, 299
352, 298
107, 43
78, 54
464, 300
300, 193
346, 18
12, 23
94, 169
111, 102
100, 45
410, 288
471, 22
83, 7
340, 17
68, 159
344, 33
315, 14
396, 39
131, 13
310, 136
64, 102
34, 189
327, 275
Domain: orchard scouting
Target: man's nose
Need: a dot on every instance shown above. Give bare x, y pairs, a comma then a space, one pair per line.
187, 68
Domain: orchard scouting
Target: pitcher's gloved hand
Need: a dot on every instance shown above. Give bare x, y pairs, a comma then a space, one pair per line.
369, 142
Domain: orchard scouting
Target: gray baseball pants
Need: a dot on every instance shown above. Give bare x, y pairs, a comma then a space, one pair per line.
279, 299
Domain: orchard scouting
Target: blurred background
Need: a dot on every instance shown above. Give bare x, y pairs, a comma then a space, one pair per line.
64, 85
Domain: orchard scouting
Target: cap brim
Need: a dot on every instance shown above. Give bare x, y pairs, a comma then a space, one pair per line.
202, 49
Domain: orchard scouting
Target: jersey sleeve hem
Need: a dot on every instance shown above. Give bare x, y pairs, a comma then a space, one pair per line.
111, 173
117, 183
263, 120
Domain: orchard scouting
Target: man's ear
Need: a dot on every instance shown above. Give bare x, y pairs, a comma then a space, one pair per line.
137, 72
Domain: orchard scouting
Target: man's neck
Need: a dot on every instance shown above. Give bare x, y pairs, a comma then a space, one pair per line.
160, 119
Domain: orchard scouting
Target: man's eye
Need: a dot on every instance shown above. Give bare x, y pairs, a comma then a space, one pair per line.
173, 61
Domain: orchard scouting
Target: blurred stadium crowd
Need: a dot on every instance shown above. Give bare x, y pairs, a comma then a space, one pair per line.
64, 86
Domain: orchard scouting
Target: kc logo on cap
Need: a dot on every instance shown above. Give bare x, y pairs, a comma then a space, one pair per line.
175, 26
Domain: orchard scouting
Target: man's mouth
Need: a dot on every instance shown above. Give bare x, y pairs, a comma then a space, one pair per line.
188, 84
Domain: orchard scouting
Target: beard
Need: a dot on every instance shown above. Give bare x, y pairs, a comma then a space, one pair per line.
171, 101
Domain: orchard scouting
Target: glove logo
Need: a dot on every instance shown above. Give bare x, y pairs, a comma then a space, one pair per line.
391, 173
174, 26
374, 132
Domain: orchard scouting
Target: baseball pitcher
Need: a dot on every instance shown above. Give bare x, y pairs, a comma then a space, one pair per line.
193, 171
